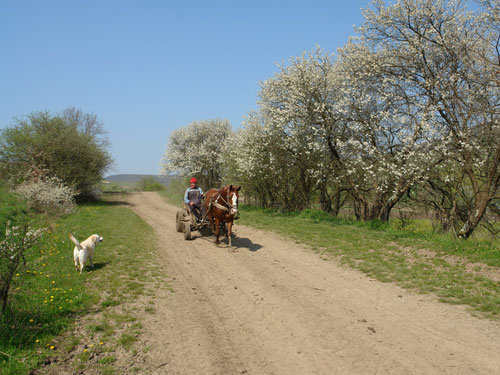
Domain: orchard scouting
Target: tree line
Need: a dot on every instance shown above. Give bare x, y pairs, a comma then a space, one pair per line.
407, 111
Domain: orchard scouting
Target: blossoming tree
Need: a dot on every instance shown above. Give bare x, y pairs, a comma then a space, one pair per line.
295, 119
198, 150
449, 59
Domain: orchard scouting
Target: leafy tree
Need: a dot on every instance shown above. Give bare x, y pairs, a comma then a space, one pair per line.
88, 124
60, 146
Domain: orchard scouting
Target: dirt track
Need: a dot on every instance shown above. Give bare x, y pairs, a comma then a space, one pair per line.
274, 307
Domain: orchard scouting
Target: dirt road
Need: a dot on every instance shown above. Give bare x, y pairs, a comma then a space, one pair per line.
273, 307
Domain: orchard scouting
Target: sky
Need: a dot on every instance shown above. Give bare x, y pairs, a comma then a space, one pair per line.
146, 68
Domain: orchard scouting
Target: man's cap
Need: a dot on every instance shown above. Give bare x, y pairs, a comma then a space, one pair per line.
193, 180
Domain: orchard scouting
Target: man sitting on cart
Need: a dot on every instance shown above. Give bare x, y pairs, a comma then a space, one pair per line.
193, 197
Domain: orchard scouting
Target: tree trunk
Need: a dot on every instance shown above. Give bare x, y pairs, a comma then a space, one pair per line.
338, 203
481, 203
4, 292
384, 213
325, 200
385, 210
373, 211
448, 218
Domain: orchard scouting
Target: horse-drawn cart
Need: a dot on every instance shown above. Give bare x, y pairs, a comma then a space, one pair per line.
219, 211
185, 222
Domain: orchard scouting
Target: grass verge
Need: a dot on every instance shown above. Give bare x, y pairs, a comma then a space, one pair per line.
49, 296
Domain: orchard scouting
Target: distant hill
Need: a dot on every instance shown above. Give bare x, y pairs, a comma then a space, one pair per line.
132, 178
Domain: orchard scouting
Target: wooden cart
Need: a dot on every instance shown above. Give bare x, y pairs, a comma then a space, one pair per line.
185, 221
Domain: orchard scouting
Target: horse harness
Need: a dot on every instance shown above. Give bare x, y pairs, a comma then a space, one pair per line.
221, 207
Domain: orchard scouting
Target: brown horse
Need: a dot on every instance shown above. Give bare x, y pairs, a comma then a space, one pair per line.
221, 206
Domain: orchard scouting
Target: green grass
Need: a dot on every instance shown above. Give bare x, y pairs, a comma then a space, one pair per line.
149, 184
12, 209
48, 294
174, 193
107, 360
413, 257
150, 310
114, 187
144, 184
127, 340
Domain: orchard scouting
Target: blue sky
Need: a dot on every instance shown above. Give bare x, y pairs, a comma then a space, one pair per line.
146, 68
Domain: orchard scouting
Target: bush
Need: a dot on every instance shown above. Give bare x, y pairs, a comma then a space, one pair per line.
69, 146
174, 191
48, 194
12, 209
319, 216
12, 249
378, 224
112, 187
149, 184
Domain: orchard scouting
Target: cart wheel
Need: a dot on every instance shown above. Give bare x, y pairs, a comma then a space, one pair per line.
178, 221
187, 230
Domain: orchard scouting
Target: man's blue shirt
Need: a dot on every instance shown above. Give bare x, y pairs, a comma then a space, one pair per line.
189, 190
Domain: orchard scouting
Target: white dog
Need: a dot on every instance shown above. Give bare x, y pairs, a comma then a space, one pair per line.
84, 251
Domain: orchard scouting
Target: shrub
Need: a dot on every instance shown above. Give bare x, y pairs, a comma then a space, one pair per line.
48, 194
12, 209
112, 187
70, 146
149, 184
12, 249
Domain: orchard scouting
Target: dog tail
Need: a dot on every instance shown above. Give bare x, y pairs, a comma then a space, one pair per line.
75, 241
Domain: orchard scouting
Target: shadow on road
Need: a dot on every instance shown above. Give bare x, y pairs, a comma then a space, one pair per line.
245, 243
237, 242
113, 199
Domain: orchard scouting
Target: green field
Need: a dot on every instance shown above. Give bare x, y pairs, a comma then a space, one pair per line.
48, 294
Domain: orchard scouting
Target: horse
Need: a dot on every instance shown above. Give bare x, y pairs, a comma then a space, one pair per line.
221, 206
